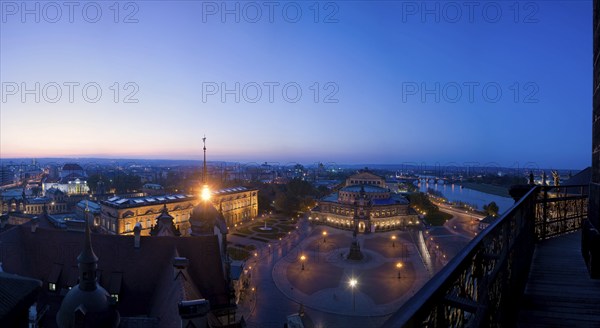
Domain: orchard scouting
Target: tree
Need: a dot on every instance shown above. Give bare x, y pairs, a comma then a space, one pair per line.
491, 209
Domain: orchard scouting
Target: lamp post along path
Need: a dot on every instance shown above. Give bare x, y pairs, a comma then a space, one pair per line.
353, 282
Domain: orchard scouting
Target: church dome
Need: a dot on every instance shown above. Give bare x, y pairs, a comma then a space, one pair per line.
94, 305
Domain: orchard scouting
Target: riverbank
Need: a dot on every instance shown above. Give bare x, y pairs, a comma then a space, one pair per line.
487, 188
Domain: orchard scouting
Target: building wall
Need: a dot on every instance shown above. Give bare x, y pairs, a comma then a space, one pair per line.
351, 196
238, 207
121, 221
12, 206
381, 217
37, 208
594, 204
379, 223
357, 179
590, 238
51, 207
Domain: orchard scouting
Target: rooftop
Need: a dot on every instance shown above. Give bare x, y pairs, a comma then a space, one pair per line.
232, 190
16, 293
66, 220
367, 188
140, 276
118, 202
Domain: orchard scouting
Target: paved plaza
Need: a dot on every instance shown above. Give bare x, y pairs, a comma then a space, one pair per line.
280, 287
381, 286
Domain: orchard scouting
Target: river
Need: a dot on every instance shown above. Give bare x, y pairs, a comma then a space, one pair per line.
455, 193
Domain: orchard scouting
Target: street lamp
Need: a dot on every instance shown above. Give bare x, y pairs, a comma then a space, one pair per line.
324, 236
399, 266
394, 241
353, 282
302, 259
205, 194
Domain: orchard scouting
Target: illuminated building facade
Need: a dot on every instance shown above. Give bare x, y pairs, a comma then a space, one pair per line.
120, 215
366, 203
237, 204
72, 181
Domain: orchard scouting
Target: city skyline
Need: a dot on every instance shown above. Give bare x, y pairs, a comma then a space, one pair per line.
372, 66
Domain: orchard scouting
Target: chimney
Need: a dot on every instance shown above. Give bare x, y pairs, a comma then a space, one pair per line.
34, 224
179, 264
136, 235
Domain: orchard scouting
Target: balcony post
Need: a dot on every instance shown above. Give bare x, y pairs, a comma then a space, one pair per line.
544, 214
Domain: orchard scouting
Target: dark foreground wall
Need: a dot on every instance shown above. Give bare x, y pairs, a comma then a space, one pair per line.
591, 235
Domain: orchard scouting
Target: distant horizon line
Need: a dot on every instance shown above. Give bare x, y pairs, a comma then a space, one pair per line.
424, 164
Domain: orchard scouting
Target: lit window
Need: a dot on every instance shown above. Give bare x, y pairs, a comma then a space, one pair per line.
115, 297
52, 287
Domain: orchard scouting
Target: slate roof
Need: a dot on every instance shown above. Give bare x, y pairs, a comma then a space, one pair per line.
124, 202
16, 295
36, 254
368, 188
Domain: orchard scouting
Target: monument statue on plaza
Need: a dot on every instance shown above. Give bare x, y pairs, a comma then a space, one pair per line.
355, 254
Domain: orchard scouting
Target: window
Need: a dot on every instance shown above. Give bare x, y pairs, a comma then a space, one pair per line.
115, 297
127, 226
52, 287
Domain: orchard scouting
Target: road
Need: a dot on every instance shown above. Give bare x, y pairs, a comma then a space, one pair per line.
462, 223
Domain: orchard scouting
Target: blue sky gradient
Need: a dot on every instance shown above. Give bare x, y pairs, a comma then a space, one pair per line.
369, 52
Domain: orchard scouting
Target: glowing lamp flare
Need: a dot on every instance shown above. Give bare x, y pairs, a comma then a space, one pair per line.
353, 282
205, 194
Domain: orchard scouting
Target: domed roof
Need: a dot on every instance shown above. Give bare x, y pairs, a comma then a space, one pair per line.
94, 305
72, 167
204, 218
366, 188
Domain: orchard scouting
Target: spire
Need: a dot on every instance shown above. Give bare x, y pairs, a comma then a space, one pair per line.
204, 165
164, 225
88, 263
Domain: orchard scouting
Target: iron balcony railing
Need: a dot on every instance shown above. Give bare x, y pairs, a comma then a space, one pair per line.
560, 210
482, 285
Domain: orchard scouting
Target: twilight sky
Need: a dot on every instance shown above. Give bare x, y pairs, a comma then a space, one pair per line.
348, 81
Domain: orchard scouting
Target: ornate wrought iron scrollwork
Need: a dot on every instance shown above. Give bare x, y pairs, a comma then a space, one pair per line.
560, 211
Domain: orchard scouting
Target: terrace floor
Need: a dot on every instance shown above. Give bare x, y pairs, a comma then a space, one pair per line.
559, 292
